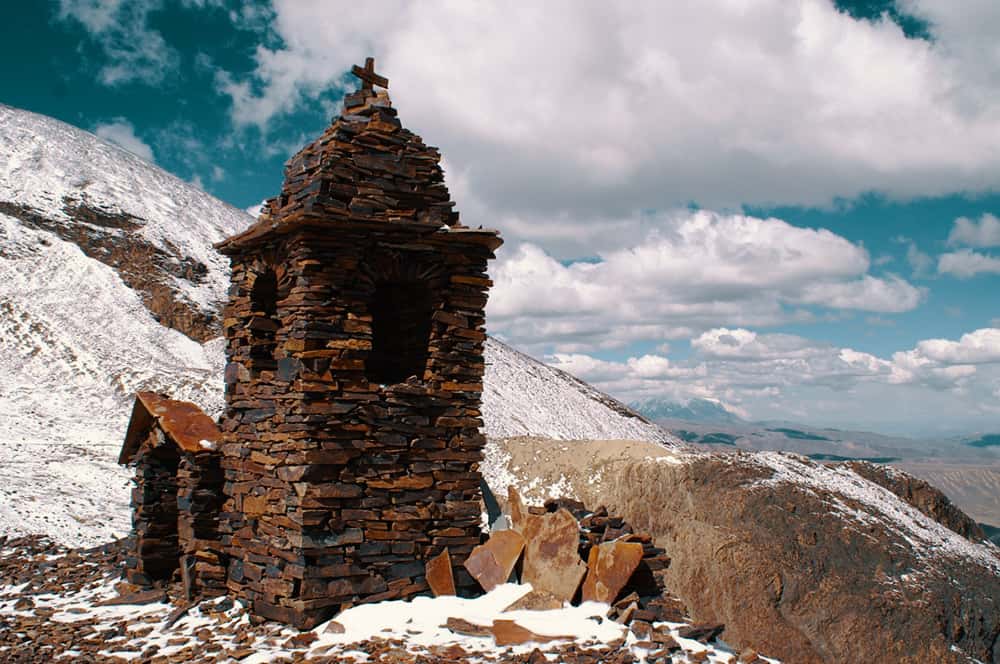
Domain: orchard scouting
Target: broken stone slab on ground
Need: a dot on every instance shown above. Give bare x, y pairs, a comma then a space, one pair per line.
536, 600
610, 564
551, 558
491, 563
509, 633
439, 574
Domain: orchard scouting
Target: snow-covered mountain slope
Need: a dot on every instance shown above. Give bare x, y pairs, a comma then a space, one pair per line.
153, 228
523, 397
98, 251
75, 344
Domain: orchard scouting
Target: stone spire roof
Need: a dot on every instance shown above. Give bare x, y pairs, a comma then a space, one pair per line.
366, 167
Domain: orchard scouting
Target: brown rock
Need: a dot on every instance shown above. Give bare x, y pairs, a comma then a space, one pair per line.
611, 564
439, 574
509, 633
466, 628
334, 627
491, 563
662, 636
551, 561
625, 615
518, 514
703, 632
301, 640
641, 629
536, 600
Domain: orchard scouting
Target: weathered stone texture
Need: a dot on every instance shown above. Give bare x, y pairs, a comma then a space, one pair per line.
355, 330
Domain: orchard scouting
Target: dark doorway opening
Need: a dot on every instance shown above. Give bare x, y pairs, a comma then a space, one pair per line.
401, 330
264, 323
155, 518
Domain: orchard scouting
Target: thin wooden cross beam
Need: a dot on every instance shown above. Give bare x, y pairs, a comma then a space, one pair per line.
368, 76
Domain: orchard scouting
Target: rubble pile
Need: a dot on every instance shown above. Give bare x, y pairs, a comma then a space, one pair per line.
66, 603
546, 547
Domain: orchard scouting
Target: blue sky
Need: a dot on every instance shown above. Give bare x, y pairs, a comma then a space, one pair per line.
787, 206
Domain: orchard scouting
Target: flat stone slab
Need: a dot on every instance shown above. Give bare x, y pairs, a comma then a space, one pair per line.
466, 628
491, 563
536, 600
439, 574
509, 633
551, 559
611, 565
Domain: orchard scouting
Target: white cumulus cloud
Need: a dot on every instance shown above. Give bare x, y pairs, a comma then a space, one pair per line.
978, 347
133, 50
971, 233
938, 382
562, 135
692, 272
966, 263
121, 132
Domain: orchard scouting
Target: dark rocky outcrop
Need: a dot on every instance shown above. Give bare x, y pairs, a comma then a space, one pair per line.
922, 496
114, 238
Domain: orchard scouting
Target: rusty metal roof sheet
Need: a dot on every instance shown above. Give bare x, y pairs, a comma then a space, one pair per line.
182, 421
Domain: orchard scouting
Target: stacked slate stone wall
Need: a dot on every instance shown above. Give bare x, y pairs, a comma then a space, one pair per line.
339, 487
155, 550
175, 507
199, 501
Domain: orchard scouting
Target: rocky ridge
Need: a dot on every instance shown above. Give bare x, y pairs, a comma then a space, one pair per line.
796, 558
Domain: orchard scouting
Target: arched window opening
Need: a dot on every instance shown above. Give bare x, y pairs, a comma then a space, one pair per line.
401, 329
264, 322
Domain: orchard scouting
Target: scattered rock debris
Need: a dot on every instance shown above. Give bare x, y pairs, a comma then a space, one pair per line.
58, 603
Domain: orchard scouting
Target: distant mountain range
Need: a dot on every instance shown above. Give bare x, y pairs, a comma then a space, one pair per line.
709, 422
695, 410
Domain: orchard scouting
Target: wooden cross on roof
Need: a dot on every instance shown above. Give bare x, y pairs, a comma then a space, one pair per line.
368, 76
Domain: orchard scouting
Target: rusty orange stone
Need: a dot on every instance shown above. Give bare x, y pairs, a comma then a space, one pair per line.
466, 628
491, 563
439, 575
518, 513
509, 633
191, 429
551, 560
611, 566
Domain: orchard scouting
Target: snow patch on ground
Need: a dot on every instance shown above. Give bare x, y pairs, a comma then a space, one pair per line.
417, 626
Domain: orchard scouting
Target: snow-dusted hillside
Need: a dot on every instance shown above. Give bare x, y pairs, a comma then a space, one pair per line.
78, 337
155, 229
75, 340
523, 397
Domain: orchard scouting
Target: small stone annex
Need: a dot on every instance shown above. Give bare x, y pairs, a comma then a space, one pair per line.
177, 495
349, 448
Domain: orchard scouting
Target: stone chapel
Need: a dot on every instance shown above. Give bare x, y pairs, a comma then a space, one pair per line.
350, 444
